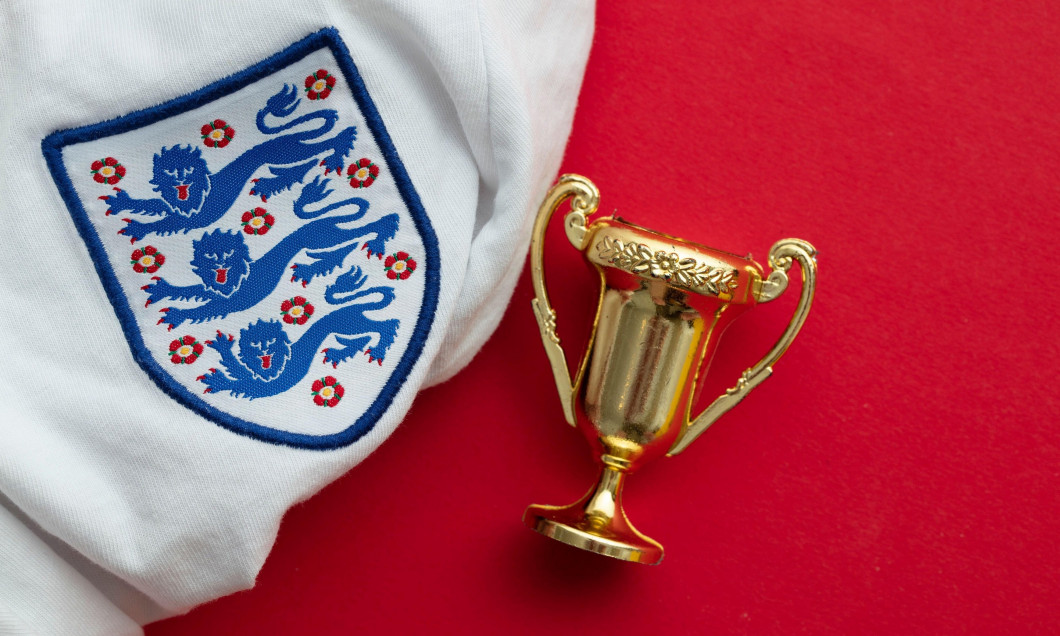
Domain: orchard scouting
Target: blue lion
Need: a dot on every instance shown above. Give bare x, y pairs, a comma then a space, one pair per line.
232, 282
192, 197
268, 363
222, 260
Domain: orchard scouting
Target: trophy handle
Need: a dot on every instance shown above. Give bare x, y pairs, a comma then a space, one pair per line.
585, 198
780, 259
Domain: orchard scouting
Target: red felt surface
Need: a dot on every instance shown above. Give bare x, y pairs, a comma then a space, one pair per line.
899, 473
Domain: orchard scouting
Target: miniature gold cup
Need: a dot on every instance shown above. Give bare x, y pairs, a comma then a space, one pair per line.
664, 302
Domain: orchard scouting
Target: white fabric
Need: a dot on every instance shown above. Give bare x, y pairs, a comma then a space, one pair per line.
119, 505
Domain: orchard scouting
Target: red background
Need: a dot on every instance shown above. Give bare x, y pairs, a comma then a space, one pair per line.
897, 474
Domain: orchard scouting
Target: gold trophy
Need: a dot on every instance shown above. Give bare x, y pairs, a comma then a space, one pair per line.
663, 305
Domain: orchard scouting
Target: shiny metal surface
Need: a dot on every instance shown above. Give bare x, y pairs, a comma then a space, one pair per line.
631, 395
662, 305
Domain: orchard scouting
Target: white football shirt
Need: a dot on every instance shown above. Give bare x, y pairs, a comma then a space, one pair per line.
238, 239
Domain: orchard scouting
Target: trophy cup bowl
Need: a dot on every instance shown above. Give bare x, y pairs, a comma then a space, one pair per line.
664, 303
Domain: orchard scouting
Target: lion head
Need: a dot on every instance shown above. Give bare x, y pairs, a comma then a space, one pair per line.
221, 260
181, 178
264, 348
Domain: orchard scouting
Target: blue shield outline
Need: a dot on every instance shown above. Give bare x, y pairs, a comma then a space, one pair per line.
52, 147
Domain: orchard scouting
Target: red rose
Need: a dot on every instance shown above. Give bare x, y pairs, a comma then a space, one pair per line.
362, 173
185, 350
217, 134
107, 170
147, 259
327, 391
319, 85
296, 311
257, 221
399, 266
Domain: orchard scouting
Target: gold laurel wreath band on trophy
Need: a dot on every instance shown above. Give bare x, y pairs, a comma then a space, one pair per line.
663, 304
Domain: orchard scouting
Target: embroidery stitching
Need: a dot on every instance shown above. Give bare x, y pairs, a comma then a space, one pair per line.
193, 197
187, 203
399, 266
296, 311
185, 350
257, 221
149, 259
319, 85
217, 134
107, 170
362, 174
327, 391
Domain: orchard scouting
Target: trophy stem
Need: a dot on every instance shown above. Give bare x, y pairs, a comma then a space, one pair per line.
597, 522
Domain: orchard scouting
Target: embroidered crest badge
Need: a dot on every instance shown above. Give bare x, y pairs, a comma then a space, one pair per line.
263, 247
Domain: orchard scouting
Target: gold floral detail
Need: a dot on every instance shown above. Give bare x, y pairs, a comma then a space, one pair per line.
638, 258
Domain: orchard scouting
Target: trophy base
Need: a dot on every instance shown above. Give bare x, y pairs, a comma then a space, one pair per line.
610, 536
